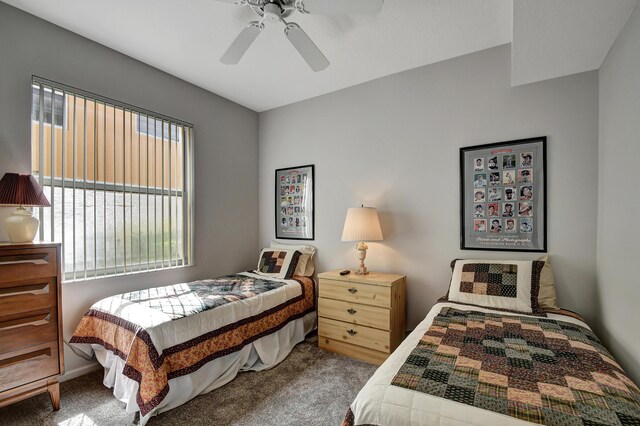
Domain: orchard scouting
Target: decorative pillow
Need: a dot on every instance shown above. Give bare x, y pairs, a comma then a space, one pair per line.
278, 263
510, 285
305, 265
547, 295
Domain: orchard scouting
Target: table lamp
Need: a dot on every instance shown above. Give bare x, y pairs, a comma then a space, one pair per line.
362, 225
22, 191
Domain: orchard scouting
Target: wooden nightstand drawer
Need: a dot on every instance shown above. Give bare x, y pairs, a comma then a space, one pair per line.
354, 334
24, 264
28, 364
27, 329
355, 313
27, 295
356, 292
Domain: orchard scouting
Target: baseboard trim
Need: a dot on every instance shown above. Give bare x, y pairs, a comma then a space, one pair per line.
80, 371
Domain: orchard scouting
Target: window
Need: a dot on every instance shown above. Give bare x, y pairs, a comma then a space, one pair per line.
121, 196
57, 110
159, 130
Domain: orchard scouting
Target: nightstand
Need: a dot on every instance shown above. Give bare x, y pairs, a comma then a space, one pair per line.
361, 316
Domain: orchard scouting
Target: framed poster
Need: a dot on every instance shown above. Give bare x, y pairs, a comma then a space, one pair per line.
503, 196
295, 203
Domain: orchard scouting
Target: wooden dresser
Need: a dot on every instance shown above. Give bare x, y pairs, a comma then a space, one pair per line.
30, 322
361, 316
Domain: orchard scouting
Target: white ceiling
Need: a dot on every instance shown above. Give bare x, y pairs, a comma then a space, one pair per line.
185, 38
552, 38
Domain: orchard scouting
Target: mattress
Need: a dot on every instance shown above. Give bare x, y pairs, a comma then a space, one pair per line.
382, 403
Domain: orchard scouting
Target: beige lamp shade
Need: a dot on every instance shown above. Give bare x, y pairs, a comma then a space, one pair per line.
362, 224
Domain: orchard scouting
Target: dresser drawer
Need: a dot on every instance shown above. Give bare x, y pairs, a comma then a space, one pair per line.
27, 295
28, 364
356, 292
24, 264
355, 313
27, 329
354, 334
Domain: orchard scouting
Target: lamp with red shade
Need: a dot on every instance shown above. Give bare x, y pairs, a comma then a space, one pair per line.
22, 191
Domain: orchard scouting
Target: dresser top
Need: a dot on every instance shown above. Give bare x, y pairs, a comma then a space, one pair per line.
378, 278
10, 245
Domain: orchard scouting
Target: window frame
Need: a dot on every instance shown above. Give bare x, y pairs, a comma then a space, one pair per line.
184, 137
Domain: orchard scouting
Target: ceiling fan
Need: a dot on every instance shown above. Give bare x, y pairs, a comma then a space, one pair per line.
275, 11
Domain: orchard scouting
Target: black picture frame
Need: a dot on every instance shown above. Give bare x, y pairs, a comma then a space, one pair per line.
295, 212
494, 175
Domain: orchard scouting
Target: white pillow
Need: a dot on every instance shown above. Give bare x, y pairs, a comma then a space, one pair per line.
305, 264
276, 263
511, 285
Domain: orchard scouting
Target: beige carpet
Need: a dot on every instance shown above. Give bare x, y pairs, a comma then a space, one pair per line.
310, 387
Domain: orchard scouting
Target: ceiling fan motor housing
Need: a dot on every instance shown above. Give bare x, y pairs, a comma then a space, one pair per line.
272, 12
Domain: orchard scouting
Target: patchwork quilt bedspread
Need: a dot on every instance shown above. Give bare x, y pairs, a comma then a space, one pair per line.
171, 331
532, 369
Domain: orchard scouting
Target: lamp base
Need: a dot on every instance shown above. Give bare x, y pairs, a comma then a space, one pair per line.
21, 226
362, 271
362, 254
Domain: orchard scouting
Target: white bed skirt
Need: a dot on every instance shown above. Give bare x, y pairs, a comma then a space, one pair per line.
262, 354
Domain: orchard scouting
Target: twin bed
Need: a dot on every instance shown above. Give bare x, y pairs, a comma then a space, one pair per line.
465, 364
429, 380
163, 346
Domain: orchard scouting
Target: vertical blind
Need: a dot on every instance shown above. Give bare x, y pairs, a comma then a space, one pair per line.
119, 179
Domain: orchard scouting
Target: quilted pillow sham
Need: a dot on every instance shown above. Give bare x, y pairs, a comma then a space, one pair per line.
508, 285
305, 264
278, 263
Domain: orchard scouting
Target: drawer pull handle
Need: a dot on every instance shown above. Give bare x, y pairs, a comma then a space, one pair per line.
353, 290
352, 332
36, 259
46, 352
35, 320
33, 289
351, 311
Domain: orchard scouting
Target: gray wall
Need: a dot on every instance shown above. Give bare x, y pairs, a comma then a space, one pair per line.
393, 144
226, 145
618, 284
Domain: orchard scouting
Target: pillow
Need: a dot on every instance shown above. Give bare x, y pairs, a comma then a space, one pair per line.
278, 263
547, 295
305, 265
509, 285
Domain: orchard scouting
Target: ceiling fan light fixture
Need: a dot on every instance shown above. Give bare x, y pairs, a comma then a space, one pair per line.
272, 12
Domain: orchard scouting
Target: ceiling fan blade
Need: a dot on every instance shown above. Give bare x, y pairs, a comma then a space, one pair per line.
340, 7
305, 47
242, 43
